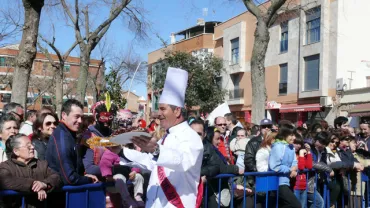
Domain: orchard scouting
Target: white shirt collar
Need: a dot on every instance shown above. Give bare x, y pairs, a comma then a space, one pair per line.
178, 127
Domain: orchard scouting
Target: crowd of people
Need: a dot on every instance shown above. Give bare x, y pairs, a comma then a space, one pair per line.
337, 154
44, 153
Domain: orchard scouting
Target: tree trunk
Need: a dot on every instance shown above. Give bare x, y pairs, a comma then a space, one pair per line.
59, 89
84, 70
27, 50
261, 41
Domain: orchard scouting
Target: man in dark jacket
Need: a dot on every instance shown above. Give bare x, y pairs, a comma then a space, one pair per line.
253, 146
231, 122
62, 152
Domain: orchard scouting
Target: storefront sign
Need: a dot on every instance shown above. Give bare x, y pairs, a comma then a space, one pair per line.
273, 105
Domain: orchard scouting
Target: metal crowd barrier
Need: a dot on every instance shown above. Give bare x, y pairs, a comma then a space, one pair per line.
88, 196
268, 183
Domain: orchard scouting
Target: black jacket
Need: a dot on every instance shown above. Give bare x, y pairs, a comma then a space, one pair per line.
40, 147
250, 154
212, 165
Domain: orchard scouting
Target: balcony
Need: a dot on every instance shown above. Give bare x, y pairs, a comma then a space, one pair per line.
236, 97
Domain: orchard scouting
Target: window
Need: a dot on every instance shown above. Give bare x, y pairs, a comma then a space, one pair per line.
284, 37
235, 51
5, 98
2, 61
67, 68
46, 100
283, 83
312, 70
313, 25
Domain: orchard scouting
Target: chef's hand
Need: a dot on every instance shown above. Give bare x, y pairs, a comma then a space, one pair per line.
145, 143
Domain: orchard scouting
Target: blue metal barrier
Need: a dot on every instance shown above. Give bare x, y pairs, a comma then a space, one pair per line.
268, 182
88, 196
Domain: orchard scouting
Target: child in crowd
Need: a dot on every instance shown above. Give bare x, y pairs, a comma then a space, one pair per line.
110, 159
304, 157
283, 160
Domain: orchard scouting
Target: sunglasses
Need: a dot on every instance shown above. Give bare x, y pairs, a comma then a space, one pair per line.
221, 124
49, 123
20, 116
200, 134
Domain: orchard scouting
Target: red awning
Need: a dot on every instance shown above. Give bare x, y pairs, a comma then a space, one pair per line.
360, 110
289, 108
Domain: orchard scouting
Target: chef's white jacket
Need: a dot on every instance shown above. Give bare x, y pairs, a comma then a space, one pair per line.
181, 156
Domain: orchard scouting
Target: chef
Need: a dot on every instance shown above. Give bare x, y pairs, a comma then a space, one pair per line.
176, 159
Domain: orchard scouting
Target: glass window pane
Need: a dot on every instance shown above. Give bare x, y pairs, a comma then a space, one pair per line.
283, 73
312, 71
235, 43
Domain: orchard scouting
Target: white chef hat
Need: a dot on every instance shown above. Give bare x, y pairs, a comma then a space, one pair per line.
174, 87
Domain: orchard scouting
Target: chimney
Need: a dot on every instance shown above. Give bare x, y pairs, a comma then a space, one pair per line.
173, 38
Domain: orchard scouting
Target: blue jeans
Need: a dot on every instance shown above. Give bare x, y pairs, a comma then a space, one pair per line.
302, 197
319, 201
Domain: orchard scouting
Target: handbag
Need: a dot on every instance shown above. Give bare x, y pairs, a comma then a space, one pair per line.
225, 198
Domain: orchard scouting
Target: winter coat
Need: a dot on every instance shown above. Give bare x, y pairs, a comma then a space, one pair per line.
303, 163
250, 154
63, 156
40, 148
237, 146
262, 159
18, 176
282, 159
91, 166
334, 161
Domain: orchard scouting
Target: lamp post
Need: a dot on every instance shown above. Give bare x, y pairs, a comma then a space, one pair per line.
129, 89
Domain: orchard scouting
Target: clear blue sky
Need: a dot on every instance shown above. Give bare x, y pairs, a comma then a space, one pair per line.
165, 16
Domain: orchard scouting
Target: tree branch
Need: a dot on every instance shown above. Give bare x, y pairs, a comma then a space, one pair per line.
115, 11
68, 11
87, 29
274, 7
252, 8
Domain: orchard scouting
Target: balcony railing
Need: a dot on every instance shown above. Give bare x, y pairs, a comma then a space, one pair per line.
236, 93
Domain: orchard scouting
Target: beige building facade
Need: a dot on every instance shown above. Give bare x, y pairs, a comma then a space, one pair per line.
314, 51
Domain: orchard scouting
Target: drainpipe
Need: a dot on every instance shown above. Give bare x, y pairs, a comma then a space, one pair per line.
299, 54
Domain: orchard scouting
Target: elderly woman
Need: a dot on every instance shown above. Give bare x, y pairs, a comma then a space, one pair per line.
8, 126
23, 173
43, 127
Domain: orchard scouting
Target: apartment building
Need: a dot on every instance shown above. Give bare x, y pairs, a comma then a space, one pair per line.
195, 40
39, 92
316, 52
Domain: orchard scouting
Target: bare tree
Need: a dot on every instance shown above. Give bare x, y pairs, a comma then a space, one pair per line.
90, 38
58, 66
10, 22
266, 15
27, 50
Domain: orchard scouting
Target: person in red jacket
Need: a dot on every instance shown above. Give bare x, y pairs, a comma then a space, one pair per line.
304, 157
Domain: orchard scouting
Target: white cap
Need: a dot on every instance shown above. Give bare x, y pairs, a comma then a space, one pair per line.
174, 87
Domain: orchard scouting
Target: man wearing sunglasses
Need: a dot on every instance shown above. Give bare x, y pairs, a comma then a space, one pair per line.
252, 148
224, 147
15, 109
